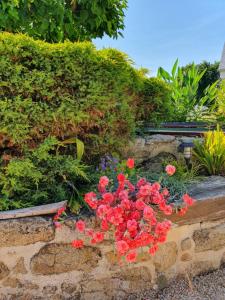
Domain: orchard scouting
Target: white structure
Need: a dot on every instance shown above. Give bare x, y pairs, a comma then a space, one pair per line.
222, 64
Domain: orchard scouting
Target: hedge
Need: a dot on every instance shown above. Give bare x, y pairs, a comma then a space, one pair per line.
72, 90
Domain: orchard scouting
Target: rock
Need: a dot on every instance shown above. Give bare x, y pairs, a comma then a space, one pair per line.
160, 138
155, 164
209, 187
20, 267
68, 288
28, 285
223, 259
59, 258
4, 271
209, 239
186, 257
25, 231
165, 257
161, 281
201, 267
12, 282
49, 289
185, 244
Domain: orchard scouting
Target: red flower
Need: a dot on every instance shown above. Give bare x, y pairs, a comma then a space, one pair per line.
98, 237
170, 170
121, 177
77, 244
104, 181
80, 226
122, 247
168, 210
131, 257
182, 211
140, 205
153, 249
57, 225
130, 163
148, 213
188, 200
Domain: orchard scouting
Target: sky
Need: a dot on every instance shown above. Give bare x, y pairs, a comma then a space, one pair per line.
159, 31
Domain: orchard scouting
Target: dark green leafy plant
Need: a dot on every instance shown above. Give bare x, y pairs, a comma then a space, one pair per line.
41, 175
184, 86
58, 20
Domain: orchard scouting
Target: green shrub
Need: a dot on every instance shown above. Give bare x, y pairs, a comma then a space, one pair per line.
154, 103
71, 90
40, 176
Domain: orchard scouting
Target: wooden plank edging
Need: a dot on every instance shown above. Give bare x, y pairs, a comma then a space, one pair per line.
41, 210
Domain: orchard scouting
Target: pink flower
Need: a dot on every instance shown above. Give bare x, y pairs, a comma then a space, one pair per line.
104, 225
102, 210
131, 257
104, 181
167, 210
57, 225
130, 163
122, 247
132, 225
140, 205
80, 226
77, 244
182, 211
188, 200
153, 249
148, 213
108, 198
170, 170
98, 237
90, 199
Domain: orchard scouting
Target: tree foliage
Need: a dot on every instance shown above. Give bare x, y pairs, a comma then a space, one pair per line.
58, 20
210, 76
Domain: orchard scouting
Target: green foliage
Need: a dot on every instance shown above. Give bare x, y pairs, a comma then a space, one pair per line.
58, 20
221, 101
211, 153
40, 176
71, 90
184, 85
210, 76
154, 103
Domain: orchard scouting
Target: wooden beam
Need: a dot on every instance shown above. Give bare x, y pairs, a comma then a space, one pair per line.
47, 209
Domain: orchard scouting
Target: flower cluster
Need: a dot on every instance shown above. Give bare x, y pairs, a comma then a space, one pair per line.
57, 217
130, 212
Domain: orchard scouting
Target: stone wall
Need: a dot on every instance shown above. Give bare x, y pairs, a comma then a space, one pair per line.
153, 149
38, 262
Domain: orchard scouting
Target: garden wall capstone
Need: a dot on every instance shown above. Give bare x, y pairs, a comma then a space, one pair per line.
38, 262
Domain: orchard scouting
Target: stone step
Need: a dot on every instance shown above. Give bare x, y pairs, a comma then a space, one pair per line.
210, 187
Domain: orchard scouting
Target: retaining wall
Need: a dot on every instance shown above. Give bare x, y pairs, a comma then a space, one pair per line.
38, 262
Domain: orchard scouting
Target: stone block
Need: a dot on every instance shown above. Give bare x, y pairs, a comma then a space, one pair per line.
165, 257
25, 231
59, 258
209, 239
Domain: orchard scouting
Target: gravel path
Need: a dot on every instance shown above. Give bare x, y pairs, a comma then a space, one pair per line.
206, 287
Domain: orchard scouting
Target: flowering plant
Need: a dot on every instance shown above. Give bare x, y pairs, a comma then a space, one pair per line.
130, 212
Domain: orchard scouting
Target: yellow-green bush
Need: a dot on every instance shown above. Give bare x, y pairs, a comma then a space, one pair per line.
71, 89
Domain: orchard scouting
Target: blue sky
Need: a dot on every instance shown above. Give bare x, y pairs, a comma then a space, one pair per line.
159, 31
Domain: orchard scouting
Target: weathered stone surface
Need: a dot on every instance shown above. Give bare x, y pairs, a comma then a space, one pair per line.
68, 288
185, 244
49, 289
60, 258
28, 285
4, 271
209, 239
20, 267
166, 256
12, 282
161, 281
186, 257
120, 283
201, 267
26, 231
223, 259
